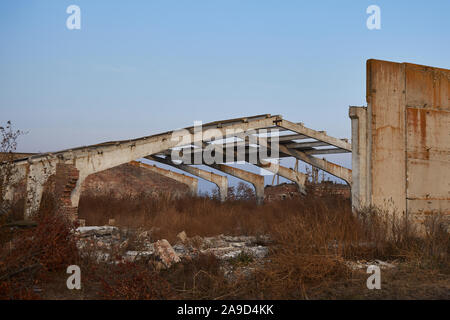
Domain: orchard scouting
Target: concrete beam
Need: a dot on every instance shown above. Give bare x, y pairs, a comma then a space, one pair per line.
256, 180
298, 145
332, 168
220, 181
327, 166
324, 151
192, 183
294, 176
318, 135
95, 158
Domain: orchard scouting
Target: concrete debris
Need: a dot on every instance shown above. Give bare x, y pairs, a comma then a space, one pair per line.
238, 255
181, 249
182, 236
96, 231
132, 256
109, 243
165, 252
258, 252
363, 265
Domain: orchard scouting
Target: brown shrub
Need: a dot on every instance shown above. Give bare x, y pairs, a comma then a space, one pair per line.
312, 237
133, 281
33, 255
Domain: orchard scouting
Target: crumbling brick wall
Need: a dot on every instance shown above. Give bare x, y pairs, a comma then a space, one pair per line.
59, 188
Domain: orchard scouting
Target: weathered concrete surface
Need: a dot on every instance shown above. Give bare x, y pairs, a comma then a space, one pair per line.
401, 142
360, 158
327, 166
91, 159
35, 170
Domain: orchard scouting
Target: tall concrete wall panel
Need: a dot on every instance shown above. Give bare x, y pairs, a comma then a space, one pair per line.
407, 145
427, 140
386, 111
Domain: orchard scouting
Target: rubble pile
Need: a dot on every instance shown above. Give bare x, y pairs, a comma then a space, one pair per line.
112, 244
238, 254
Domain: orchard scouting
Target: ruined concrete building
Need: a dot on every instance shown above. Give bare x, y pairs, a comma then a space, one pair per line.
400, 149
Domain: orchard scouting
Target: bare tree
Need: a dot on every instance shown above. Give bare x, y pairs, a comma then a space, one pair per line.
8, 145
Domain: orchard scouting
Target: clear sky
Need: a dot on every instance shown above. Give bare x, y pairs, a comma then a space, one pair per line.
141, 67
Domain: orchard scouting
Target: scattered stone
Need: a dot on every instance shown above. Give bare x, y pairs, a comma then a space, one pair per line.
384, 265
258, 252
363, 265
132, 256
96, 231
136, 245
165, 253
124, 244
182, 236
180, 249
231, 255
196, 242
144, 235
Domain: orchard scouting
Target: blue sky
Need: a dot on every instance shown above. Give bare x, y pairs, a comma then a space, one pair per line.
141, 67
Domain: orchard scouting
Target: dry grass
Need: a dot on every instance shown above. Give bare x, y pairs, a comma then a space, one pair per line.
312, 237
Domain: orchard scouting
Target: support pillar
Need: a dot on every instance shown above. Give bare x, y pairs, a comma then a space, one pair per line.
360, 158
220, 181
294, 176
256, 180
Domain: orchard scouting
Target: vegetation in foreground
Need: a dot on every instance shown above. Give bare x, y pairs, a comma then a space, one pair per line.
312, 238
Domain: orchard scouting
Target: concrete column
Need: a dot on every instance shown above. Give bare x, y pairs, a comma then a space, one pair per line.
360, 158
220, 181
192, 183
294, 176
256, 180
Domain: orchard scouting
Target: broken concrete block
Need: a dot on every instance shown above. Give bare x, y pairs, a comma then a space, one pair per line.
165, 253
97, 231
182, 236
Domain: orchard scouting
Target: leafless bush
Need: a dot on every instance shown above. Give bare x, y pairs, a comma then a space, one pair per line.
8, 145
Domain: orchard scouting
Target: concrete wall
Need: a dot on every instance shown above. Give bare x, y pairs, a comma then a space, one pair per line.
401, 141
